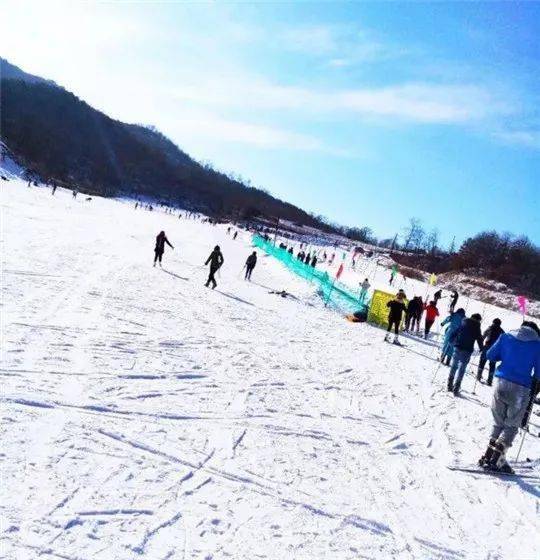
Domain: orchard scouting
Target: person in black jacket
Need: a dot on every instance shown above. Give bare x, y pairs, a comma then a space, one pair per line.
463, 339
250, 265
490, 338
216, 260
159, 249
453, 300
397, 308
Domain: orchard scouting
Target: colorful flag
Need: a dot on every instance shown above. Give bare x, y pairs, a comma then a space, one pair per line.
340, 270
432, 279
522, 304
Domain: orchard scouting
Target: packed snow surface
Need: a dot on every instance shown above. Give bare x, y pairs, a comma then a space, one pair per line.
146, 416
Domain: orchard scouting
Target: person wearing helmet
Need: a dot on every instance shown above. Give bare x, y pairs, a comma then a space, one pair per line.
159, 249
216, 260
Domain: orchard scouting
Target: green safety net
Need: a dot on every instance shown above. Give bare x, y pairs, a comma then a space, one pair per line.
332, 292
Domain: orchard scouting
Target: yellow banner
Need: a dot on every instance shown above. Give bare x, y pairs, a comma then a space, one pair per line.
378, 312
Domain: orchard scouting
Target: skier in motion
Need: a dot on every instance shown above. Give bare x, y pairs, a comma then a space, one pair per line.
519, 354
216, 260
250, 265
397, 308
159, 249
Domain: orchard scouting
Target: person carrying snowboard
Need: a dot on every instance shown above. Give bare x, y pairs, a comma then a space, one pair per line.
463, 339
159, 249
490, 338
250, 265
517, 376
397, 308
216, 260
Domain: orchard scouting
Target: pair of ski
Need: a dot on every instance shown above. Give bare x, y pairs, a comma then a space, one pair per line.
522, 472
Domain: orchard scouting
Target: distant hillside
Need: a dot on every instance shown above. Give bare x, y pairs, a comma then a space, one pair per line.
60, 136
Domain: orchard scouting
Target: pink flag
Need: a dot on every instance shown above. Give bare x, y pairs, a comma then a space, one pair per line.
340, 270
522, 303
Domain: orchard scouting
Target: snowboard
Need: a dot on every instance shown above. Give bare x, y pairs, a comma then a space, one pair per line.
521, 473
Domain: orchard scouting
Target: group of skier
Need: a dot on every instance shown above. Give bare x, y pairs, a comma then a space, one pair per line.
517, 355
215, 259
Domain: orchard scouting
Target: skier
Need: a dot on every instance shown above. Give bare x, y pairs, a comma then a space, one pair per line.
397, 308
415, 310
431, 314
463, 339
519, 354
453, 300
437, 296
54, 187
74, 193
454, 322
307, 258
250, 265
490, 338
235, 235
365, 285
159, 249
314, 261
216, 260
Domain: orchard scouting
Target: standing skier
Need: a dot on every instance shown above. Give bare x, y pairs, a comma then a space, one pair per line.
250, 265
216, 260
365, 285
454, 322
159, 249
453, 300
397, 308
464, 338
437, 296
519, 354
431, 314
490, 338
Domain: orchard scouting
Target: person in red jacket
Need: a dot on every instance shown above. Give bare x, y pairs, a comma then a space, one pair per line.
431, 314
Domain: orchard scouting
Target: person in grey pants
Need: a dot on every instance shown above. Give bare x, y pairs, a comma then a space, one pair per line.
517, 375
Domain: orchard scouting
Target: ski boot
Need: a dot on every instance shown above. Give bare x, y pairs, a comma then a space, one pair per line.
396, 341
486, 457
498, 462
386, 338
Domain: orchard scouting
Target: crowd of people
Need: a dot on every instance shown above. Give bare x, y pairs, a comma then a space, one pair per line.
513, 360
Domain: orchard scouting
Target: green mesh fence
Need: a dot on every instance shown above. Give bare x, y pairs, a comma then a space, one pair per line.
332, 292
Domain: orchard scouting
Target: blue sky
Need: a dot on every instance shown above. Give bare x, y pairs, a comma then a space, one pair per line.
367, 113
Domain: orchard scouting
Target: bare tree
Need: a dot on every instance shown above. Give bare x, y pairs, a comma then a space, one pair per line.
413, 235
432, 241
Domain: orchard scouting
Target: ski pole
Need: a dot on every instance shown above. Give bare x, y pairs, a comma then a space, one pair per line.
436, 371
521, 444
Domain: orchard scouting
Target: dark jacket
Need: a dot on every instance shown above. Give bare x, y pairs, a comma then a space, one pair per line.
397, 308
215, 259
491, 335
468, 333
415, 307
161, 239
251, 261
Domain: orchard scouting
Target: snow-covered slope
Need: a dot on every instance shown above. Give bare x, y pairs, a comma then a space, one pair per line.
146, 416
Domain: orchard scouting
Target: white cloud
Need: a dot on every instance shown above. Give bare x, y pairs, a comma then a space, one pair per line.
528, 138
209, 125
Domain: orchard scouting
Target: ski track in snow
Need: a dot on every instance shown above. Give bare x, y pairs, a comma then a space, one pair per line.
146, 416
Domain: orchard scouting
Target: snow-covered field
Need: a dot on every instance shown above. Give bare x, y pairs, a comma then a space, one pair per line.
146, 416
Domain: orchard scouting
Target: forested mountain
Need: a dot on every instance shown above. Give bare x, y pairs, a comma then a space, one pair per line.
61, 137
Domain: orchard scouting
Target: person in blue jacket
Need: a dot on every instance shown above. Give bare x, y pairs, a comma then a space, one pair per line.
453, 321
463, 340
517, 376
